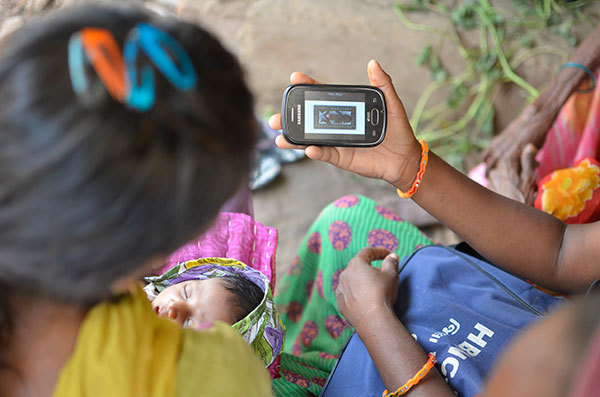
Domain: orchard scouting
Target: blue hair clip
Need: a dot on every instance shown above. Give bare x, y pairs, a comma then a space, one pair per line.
175, 65
141, 93
77, 59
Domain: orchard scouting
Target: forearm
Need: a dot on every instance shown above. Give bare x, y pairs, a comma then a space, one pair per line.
397, 356
512, 235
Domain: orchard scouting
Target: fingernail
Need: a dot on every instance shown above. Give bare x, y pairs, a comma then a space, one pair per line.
394, 256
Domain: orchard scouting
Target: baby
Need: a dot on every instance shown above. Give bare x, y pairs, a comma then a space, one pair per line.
193, 303
199, 292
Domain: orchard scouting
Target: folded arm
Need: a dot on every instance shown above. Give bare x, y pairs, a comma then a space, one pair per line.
514, 236
366, 297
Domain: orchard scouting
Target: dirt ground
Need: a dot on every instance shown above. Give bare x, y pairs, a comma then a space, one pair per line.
332, 40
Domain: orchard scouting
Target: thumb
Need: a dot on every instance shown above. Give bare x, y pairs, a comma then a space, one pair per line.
383, 81
390, 264
328, 154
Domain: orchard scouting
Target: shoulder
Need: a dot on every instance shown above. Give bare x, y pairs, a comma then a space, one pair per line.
217, 361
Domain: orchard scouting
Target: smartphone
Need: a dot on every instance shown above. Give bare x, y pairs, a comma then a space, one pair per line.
333, 115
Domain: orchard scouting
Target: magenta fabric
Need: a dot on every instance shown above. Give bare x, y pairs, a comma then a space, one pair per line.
236, 236
574, 135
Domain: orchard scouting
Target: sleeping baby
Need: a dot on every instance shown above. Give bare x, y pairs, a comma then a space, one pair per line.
199, 292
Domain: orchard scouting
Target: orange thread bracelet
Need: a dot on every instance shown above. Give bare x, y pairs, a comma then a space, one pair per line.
414, 380
419, 177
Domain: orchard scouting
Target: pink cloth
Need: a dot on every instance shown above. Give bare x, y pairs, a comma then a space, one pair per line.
240, 237
236, 236
574, 135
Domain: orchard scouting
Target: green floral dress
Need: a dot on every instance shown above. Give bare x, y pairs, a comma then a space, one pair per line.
316, 331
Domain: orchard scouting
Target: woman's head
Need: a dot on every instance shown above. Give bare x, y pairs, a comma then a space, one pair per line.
92, 192
548, 358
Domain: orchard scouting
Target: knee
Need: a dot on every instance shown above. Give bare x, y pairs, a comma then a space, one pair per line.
335, 208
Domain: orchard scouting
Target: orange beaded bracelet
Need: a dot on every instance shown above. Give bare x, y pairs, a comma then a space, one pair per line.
419, 177
414, 380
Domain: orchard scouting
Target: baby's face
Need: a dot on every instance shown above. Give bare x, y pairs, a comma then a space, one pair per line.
196, 302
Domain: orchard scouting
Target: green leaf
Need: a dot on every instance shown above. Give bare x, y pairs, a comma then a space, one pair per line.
523, 7
526, 40
417, 5
564, 30
455, 159
464, 146
487, 128
439, 74
424, 56
457, 96
498, 19
553, 20
465, 16
434, 61
494, 74
486, 62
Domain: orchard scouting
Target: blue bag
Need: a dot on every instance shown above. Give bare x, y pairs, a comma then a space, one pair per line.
459, 307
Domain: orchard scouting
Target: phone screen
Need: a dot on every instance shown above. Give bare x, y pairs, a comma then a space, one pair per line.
334, 113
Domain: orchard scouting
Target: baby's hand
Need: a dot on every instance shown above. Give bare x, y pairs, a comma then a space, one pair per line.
395, 160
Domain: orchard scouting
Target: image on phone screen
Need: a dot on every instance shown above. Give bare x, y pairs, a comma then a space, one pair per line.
334, 113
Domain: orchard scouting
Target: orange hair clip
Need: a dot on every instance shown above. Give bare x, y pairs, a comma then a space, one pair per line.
106, 57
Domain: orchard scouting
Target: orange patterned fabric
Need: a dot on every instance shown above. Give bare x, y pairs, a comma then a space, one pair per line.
568, 171
572, 194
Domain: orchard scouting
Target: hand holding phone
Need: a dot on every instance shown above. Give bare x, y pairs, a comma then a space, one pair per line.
395, 160
333, 115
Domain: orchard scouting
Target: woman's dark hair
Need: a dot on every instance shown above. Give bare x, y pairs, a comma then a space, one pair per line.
245, 295
88, 194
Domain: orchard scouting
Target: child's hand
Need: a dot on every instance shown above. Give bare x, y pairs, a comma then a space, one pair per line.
363, 289
395, 160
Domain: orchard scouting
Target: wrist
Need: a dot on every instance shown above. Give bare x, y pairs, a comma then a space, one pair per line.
374, 317
407, 170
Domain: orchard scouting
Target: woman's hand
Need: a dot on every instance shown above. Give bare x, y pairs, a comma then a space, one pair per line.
366, 296
364, 290
395, 160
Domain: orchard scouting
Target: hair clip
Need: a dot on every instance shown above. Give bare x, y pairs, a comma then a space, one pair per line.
98, 48
119, 71
167, 55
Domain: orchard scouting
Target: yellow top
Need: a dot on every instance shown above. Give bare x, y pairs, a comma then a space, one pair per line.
124, 349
